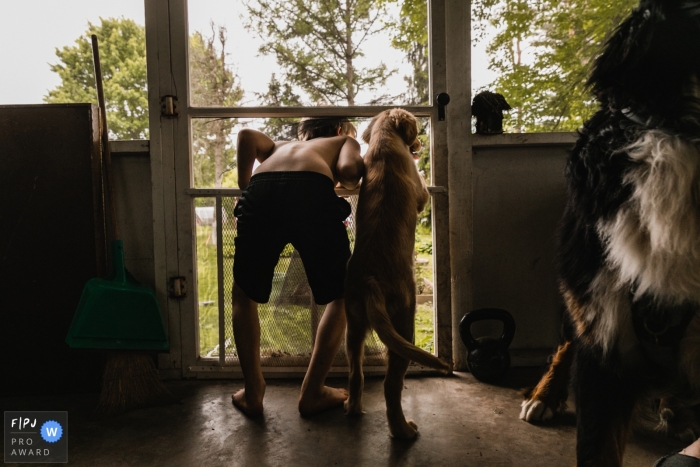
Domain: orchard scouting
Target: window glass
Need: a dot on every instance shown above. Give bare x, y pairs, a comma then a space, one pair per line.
213, 166
307, 52
537, 55
290, 319
214, 145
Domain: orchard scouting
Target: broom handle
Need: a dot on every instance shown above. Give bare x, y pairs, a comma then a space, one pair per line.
106, 153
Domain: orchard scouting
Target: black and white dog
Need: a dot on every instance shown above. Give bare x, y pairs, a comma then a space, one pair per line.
629, 241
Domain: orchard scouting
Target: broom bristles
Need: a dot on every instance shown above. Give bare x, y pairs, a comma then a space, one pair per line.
131, 381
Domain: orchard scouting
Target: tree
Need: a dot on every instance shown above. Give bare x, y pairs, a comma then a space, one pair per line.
410, 35
547, 92
123, 62
280, 95
213, 83
317, 44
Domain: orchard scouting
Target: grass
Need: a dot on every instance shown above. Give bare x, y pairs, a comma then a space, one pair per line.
424, 327
207, 291
286, 329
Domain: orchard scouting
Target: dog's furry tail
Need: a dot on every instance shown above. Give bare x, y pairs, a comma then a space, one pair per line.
379, 321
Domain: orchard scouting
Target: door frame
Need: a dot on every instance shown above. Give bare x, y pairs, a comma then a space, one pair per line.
173, 202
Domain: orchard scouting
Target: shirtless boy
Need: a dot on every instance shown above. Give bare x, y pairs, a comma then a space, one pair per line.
291, 199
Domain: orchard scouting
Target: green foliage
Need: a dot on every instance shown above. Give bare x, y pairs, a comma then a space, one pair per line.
287, 251
547, 92
229, 249
317, 44
122, 45
212, 81
410, 35
212, 84
207, 290
425, 330
424, 247
280, 95
425, 217
123, 61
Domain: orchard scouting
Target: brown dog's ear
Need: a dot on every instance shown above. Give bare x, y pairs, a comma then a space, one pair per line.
406, 126
367, 134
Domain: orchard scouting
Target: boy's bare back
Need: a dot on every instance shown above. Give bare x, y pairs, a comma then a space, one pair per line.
337, 157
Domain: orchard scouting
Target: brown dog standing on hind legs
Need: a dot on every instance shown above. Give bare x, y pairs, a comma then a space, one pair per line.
380, 289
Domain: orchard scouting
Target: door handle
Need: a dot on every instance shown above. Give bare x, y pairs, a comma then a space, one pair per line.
442, 100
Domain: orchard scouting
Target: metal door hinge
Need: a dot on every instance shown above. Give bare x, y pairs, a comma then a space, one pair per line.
168, 107
178, 287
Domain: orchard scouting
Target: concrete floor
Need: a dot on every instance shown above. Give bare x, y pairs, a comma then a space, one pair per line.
461, 422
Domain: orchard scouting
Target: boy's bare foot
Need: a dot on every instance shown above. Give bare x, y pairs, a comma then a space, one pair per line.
251, 406
310, 404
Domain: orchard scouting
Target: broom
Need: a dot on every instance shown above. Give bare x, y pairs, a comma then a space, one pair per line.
119, 314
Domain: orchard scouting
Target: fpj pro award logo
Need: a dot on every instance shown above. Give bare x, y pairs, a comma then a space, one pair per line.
36, 437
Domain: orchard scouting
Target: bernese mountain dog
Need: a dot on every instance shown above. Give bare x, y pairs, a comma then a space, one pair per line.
629, 239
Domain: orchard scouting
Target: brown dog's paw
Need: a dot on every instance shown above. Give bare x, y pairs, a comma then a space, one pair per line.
406, 430
352, 408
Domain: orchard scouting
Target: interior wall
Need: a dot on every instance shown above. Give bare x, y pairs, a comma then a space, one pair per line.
519, 197
51, 244
132, 192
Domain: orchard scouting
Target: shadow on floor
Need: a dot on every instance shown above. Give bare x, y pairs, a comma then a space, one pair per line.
461, 421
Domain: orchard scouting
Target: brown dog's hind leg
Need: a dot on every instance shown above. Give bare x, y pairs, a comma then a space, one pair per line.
550, 394
355, 347
400, 428
393, 386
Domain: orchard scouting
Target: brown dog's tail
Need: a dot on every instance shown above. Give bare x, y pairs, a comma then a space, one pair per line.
379, 320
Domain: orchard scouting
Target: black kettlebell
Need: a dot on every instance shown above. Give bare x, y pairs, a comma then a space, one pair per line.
487, 358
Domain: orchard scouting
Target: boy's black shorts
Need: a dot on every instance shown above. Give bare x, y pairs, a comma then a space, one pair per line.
300, 208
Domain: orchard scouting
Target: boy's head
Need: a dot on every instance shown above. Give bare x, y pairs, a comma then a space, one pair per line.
318, 127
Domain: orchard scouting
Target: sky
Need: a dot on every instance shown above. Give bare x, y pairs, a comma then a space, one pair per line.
31, 30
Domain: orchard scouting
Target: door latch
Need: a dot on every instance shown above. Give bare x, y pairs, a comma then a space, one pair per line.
178, 287
442, 100
168, 106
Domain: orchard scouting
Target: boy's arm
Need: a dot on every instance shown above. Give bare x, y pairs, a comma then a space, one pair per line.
351, 166
252, 145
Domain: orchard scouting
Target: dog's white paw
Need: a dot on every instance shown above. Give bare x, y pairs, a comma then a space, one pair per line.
535, 411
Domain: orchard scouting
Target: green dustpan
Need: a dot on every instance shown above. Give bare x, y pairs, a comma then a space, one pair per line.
117, 313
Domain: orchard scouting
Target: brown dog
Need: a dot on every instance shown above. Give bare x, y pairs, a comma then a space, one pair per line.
380, 289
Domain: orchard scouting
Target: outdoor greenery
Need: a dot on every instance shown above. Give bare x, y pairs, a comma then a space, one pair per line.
410, 34
213, 83
317, 43
542, 54
123, 62
291, 329
122, 45
280, 95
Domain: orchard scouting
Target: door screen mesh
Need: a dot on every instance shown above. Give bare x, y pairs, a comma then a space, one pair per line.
288, 322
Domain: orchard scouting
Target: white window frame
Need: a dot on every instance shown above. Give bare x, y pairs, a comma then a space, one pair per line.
173, 202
